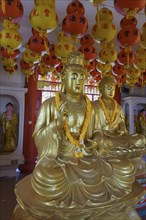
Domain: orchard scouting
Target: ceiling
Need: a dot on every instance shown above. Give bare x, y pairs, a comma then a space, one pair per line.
61, 5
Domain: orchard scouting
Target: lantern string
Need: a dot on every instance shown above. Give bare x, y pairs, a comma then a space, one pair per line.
3, 6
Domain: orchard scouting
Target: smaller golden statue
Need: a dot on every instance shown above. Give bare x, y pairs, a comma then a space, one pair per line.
9, 121
110, 121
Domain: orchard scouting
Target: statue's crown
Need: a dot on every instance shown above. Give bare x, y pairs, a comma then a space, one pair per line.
76, 57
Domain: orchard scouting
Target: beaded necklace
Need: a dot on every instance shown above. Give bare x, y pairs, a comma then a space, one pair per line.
76, 142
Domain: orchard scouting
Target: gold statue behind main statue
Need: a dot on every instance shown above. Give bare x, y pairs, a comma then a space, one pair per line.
72, 178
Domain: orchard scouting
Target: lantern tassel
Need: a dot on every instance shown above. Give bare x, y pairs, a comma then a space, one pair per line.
3, 6
46, 47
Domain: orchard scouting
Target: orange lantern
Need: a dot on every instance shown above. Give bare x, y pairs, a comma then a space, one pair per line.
42, 69
120, 79
10, 38
128, 36
75, 7
43, 17
75, 24
91, 65
38, 44
7, 53
132, 21
104, 32
125, 57
89, 51
87, 39
12, 10
118, 69
122, 6
94, 73
26, 66
98, 77
107, 55
51, 60
59, 68
52, 49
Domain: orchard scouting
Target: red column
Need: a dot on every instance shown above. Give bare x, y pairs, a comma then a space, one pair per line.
118, 95
29, 148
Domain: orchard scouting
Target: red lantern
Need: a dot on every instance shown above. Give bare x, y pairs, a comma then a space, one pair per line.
13, 10
94, 73
11, 69
87, 39
125, 58
52, 49
75, 24
98, 77
128, 36
38, 44
91, 65
122, 6
51, 60
89, 51
75, 7
26, 66
132, 21
118, 69
120, 79
9, 53
59, 68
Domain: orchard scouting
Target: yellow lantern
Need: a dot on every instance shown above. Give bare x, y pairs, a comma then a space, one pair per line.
8, 62
43, 17
108, 55
63, 37
63, 49
51, 3
103, 67
31, 57
140, 62
27, 72
105, 31
7, 24
133, 73
10, 38
104, 14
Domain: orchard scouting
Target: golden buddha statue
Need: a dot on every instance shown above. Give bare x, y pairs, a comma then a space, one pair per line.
71, 180
9, 121
141, 118
110, 121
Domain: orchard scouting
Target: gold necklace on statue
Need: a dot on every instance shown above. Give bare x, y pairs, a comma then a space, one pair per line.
76, 142
109, 119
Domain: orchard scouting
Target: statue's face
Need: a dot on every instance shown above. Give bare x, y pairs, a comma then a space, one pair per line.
75, 81
108, 90
9, 107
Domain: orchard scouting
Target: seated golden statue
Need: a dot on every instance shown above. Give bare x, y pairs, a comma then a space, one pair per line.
110, 121
141, 118
71, 180
9, 121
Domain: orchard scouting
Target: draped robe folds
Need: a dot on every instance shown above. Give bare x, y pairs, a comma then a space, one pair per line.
60, 180
115, 136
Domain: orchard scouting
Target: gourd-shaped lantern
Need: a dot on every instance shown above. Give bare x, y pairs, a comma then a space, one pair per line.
31, 57
122, 6
105, 31
43, 17
118, 69
94, 73
42, 69
103, 67
107, 55
126, 57
131, 21
37, 43
50, 60
140, 61
133, 73
91, 65
120, 80
59, 68
89, 51
128, 36
104, 14
11, 69
51, 3
26, 66
87, 39
12, 10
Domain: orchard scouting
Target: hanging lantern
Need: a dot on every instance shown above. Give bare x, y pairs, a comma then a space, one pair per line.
43, 17
75, 24
103, 67
143, 37
31, 57
128, 36
91, 65
63, 49
98, 77
118, 69
94, 73
122, 6
108, 55
9, 53
87, 39
42, 69
27, 72
12, 10
132, 21
50, 60
104, 32
120, 80
62, 36
51, 3
8, 62
11, 69
75, 7
38, 44
59, 68
133, 73
26, 66
89, 51
41, 32
10, 25
126, 57
140, 62
52, 49
104, 14
10, 39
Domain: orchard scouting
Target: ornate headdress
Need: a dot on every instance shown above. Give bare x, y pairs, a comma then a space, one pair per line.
106, 80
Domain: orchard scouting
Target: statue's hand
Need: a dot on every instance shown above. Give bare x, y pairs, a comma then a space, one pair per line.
91, 144
62, 114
